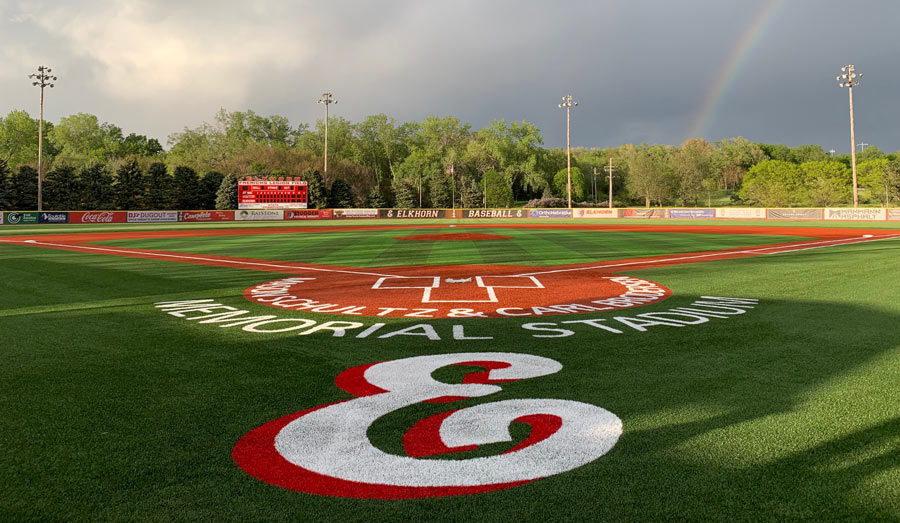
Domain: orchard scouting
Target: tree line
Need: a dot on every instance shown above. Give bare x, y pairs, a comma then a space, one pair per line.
437, 162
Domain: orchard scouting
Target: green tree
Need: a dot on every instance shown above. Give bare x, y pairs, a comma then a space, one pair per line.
159, 187
809, 153
882, 179
227, 195
773, 183
513, 151
374, 199
62, 189
694, 170
129, 186
869, 153
186, 188
23, 189
97, 188
209, 189
497, 191
648, 174
827, 183
733, 158
440, 192
561, 184
82, 140
19, 139
779, 152
317, 198
471, 194
341, 195
404, 194
4, 185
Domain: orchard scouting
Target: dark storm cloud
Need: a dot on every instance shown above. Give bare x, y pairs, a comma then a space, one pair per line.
641, 71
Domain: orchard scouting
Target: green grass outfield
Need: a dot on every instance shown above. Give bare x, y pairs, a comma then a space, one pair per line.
114, 410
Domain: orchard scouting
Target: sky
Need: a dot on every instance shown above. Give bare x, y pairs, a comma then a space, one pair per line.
655, 71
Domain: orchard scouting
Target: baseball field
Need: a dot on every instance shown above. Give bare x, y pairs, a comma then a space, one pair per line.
512, 370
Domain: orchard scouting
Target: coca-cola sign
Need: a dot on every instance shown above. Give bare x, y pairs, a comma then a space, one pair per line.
97, 217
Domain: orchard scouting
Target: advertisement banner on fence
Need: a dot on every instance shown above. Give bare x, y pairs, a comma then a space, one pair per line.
206, 216
53, 217
2, 221
595, 213
152, 216
355, 213
893, 214
644, 213
550, 213
97, 217
493, 213
741, 213
307, 214
794, 214
21, 218
412, 213
856, 214
251, 215
692, 213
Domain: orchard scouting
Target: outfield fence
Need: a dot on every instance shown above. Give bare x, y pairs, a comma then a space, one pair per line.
699, 213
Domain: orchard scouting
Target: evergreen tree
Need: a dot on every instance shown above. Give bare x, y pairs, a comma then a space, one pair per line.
4, 185
23, 189
96, 184
498, 192
374, 200
129, 187
440, 192
209, 189
404, 195
186, 188
316, 196
62, 189
471, 195
341, 195
159, 187
227, 195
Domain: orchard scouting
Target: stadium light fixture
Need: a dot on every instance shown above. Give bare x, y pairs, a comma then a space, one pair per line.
848, 80
568, 104
326, 100
43, 79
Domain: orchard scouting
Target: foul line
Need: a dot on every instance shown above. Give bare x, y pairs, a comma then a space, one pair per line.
803, 247
200, 258
776, 249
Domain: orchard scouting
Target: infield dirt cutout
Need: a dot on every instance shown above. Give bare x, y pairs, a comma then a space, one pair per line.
458, 291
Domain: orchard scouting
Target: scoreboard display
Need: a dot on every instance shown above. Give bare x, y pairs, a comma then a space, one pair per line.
258, 193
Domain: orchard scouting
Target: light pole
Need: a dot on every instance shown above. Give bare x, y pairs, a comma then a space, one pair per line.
43, 79
568, 104
848, 80
610, 169
326, 99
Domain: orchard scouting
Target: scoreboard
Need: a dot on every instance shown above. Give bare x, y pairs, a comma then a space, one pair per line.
259, 193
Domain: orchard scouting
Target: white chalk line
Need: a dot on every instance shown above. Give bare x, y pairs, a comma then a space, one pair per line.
202, 259
805, 246
777, 250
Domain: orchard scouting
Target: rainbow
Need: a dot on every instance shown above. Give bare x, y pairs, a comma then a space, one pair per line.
733, 63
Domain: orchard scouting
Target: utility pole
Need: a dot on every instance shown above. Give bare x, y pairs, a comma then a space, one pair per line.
832, 151
848, 80
568, 104
326, 99
43, 79
862, 146
610, 169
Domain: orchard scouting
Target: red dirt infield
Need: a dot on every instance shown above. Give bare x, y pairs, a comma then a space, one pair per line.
455, 291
